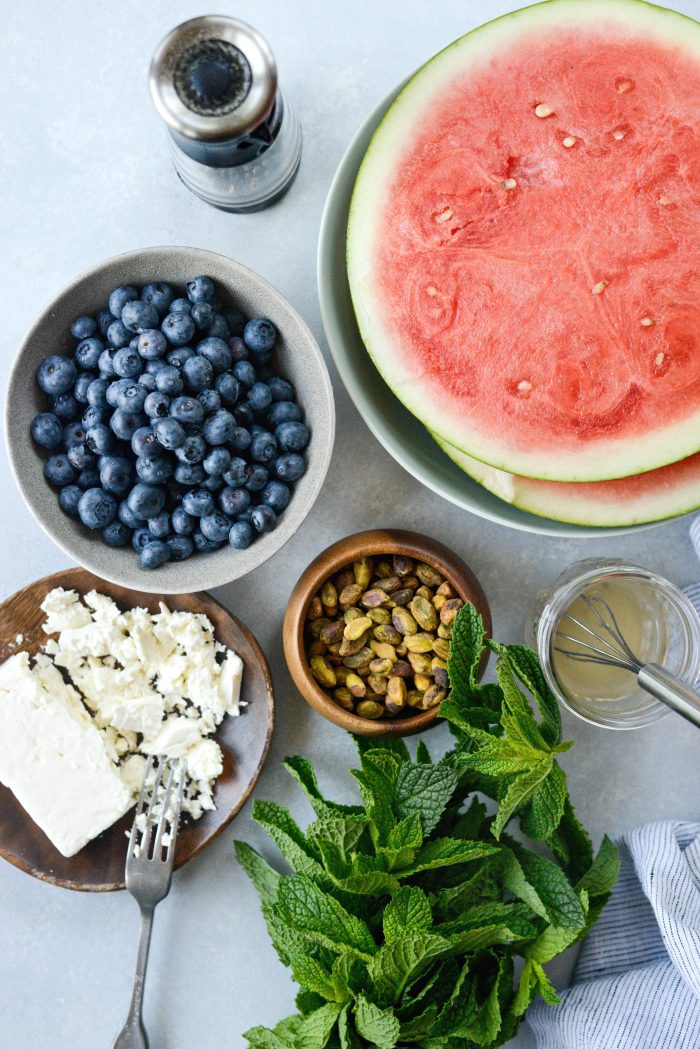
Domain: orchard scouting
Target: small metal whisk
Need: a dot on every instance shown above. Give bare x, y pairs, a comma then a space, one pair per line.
608, 647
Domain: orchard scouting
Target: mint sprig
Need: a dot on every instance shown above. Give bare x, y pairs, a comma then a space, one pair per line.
403, 914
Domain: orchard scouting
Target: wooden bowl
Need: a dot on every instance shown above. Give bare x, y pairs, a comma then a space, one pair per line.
244, 740
332, 560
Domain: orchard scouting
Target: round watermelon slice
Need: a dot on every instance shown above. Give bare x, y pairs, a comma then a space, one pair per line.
524, 246
654, 496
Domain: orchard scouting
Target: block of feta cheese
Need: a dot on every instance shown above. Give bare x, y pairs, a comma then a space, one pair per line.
53, 758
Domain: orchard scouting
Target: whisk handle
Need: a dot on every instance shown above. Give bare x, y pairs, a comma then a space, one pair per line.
671, 691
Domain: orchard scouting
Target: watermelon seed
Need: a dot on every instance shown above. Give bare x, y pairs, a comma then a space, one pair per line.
618, 135
509, 183
445, 216
622, 86
600, 287
431, 291
543, 111
659, 359
569, 142
647, 322
524, 386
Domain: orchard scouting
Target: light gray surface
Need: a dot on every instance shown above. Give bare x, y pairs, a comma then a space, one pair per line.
86, 175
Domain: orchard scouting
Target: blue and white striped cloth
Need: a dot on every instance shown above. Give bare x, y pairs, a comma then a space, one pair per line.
637, 980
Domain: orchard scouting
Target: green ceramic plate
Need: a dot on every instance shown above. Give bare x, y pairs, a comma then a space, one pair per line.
401, 433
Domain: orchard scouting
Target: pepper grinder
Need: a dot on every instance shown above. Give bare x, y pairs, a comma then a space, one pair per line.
234, 139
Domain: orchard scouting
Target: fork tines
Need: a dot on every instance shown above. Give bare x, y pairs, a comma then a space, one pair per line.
157, 815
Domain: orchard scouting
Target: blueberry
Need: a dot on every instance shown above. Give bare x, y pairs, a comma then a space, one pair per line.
263, 447
131, 397
116, 534
235, 319
219, 428
140, 537
73, 433
209, 400
202, 315
153, 367
99, 439
198, 373
56, 375
65, 406
47, 430
244, 415
187, 410
134, 342
180, 306
127, 363
258, 477
160, 526
241, 535
204, 545
263, 518
292, 436
87, 353
259, 397
88, 478
104, 319
145, 443
124, 424
160, 295
178, 328
215, 526
126, 516
148, 381
119, 298
189, 473
198, 503
97, 393
154, 554
118, 336
213, 482
68, 499
96, 508
180, 547
234, 501
106, 364
83, 327
227, 387
169, 380
236, 474
80, 456
240, 438
216, 352
116, 475
170, 433
145, 500
114, 389
156, 405
239, 350
193, 450
200, 289
260, 335
217, 461
182, 523
218, 329
178, 356
283, 411
152, 344
155, 471
257, 428
276, 494
280, 389
93, 416
245, 373
289, 467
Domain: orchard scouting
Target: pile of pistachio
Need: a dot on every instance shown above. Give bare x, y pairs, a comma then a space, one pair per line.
378, 636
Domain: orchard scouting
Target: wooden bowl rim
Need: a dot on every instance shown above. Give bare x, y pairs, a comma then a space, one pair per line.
336, 556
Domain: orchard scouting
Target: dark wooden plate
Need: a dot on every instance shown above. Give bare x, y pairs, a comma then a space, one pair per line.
245, 740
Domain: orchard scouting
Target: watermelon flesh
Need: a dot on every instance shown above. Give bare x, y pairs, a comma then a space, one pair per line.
524, 243
654, 496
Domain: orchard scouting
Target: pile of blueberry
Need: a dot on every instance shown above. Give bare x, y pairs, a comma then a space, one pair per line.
168, 427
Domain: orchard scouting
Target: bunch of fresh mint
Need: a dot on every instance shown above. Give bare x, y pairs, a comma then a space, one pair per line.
404, 914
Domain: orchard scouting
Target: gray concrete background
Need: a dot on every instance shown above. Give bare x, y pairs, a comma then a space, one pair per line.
85, 174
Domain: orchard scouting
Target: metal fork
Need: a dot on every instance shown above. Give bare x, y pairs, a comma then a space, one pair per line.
149, 871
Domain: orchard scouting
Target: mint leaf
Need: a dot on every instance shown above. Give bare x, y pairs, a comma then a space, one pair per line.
601, 876
519, 790
310, 973
425, 789
514, 881
571, 844
263, 877
346, 1032
408, 911
517, 719
466, 649
445, 852
403, 842
289, 839
551, 884
315, 1029
263, 1038
342, 832
316, 914
423, 754
390, 744
545, 809
302, 771
533, 980
377, 783
378, 1026
399, 961
526, 665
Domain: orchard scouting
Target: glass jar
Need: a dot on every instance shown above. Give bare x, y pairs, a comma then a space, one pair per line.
656, 618
234, 138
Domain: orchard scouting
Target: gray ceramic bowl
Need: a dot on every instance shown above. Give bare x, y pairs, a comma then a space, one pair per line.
394, 426
297, 356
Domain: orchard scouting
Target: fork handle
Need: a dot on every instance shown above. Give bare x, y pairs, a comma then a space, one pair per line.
133, 1033
671, 691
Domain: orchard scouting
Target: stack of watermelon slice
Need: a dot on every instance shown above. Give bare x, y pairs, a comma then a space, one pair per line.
524, 257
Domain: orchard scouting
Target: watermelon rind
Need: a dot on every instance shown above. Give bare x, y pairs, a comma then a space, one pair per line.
606, 459
657, 496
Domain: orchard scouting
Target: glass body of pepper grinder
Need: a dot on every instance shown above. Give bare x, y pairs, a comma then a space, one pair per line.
235, 140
